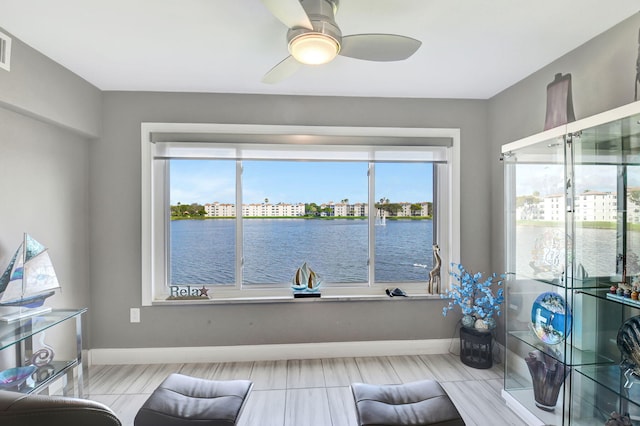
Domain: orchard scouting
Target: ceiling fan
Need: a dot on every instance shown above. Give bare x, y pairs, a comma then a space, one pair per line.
314, 38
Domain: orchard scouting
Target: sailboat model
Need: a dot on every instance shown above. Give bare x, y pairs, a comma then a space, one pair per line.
27, 282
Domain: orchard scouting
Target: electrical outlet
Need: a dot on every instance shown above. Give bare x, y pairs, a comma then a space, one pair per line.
134, 315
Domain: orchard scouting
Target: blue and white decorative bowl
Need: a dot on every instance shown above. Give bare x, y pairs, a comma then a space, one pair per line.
551, 318
14, 377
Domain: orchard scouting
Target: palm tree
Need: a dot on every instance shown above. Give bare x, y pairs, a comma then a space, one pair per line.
383, 205
345, 201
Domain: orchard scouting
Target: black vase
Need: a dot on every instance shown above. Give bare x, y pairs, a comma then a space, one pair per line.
547, 374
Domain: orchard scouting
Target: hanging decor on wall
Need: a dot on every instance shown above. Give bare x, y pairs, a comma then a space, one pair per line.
559, 102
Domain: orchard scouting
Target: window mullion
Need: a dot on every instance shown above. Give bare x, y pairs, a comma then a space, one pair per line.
239, 230
371, 223
434, 204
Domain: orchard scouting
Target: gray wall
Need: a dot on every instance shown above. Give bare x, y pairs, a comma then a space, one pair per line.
47, 119
115, 247
44, 182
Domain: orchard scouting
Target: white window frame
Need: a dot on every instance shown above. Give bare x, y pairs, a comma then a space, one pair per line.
155, 224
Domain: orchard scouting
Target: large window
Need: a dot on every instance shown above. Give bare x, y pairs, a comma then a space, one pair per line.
237, 218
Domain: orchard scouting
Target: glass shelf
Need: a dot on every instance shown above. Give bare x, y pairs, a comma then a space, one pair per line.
17, 331
522, 280
557, 352
43, 377
606, 391
594, 282
605, 294
573, 284
612, 378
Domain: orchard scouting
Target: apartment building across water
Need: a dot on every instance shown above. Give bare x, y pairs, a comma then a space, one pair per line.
293, 210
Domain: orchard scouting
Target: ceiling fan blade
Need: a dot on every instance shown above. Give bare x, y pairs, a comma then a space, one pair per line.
282, 71
289, 12
379, 47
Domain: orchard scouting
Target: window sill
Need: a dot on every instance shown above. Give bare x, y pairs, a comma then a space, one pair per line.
291, 299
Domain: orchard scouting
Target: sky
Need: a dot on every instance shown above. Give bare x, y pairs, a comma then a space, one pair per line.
208, 181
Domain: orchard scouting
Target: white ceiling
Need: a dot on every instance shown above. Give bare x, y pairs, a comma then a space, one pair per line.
471, 48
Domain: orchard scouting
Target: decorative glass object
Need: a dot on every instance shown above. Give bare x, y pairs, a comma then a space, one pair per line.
15, 377
551, 318
628, 341
547, 375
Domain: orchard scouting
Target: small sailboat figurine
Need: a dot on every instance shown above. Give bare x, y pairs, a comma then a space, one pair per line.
28, 280
306, 282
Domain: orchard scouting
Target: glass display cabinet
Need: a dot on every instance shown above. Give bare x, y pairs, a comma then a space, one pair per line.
572, 314
34, 370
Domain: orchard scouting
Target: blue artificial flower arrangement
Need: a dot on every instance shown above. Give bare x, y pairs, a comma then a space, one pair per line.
473, 293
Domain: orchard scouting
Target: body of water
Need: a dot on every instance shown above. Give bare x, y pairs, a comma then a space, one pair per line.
202, 251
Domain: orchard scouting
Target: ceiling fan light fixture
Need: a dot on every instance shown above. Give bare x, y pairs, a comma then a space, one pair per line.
314, 48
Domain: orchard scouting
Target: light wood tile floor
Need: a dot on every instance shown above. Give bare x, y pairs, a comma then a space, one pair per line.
311, 392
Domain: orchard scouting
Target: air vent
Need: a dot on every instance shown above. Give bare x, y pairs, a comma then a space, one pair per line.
5, 52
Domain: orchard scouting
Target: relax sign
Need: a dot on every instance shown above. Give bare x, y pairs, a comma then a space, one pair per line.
186, 292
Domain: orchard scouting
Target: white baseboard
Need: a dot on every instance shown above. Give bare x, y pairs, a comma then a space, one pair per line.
267, 352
